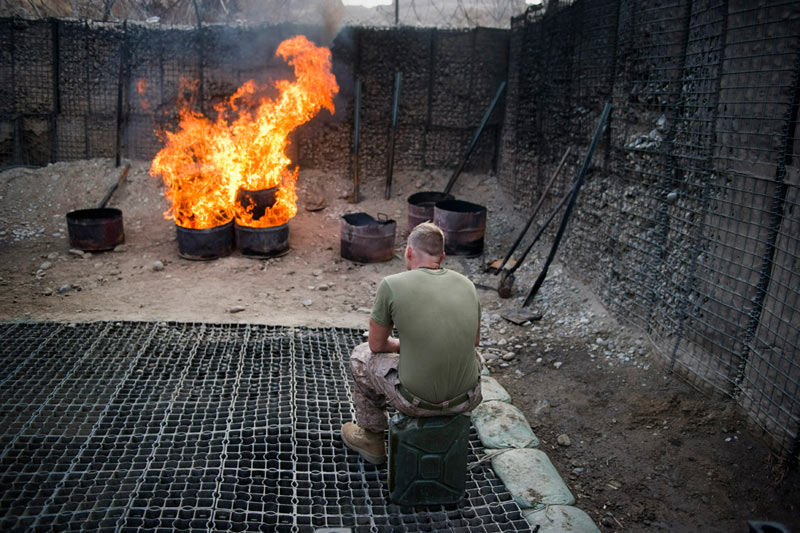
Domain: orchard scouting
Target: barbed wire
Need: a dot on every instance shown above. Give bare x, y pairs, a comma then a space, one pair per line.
438, 13
420, 13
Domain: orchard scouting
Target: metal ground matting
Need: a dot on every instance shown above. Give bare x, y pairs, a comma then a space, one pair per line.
134, 425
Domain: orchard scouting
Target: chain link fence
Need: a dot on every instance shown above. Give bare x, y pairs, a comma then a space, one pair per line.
689, 224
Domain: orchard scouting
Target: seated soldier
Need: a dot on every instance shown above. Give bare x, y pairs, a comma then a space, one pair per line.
437, 372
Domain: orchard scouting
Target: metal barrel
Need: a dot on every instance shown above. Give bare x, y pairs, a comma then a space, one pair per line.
420, 206
365, 239
260, 200
463, 224
264, 242
205, 244
95, 229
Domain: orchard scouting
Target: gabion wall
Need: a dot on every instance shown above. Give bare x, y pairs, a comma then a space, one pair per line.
689, 222
73, 90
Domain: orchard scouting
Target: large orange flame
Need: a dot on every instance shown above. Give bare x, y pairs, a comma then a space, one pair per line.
204, 163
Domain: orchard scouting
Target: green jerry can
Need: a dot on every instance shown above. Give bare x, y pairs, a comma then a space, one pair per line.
427, 459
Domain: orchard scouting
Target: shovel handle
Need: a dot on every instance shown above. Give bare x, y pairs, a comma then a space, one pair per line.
114, 187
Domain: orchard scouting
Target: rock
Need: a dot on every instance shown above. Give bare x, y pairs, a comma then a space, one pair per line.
157, 266
307, 303
236, 309
322, 287
45, 265
120, 248
509, 356
366, 310
502, 342
563, 440
557, 364
77, 253
316, 273
52, 255
64, 288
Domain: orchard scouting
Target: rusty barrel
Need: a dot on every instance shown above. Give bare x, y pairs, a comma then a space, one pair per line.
463, 224
205, 244
260, 200
95, 229
420, 206
265, 242
365, 239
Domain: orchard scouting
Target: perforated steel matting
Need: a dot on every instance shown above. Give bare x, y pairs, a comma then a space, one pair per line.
127, 426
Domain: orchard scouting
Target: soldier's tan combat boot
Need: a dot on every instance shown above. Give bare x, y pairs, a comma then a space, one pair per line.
368, 444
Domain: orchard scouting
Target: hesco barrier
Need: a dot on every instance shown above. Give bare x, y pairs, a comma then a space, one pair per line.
135, 425
77, 90
688, 225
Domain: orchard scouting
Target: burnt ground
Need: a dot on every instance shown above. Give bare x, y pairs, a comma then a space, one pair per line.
641, 450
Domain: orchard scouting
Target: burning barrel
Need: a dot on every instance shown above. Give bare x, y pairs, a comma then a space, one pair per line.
265, 242
365, 239
205, 244
259, 201
463, 224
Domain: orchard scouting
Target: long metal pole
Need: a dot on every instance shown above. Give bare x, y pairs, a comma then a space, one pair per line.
398, 82
356, 128
577, 188
396, 12
534, 213
123, 59
475, 138
539, 233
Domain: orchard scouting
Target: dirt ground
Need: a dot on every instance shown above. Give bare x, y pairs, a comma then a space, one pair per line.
639, 448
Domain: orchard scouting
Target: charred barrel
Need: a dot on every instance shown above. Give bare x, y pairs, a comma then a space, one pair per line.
265, 242
260, 200
420, 206
365, 239
205, 244
463, 224
95, 229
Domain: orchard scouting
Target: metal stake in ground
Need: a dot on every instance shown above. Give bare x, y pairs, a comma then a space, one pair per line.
398, 82
579, 182
475, 138
356, 128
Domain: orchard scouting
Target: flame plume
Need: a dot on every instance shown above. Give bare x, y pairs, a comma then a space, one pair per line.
204, 163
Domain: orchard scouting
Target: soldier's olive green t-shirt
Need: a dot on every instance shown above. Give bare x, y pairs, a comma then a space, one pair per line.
436, 313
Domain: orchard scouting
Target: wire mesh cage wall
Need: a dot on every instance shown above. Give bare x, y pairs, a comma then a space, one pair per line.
688, 224
78, 90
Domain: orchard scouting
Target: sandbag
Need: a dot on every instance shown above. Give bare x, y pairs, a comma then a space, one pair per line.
531, 478
501, 425
492, 390
560, 518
